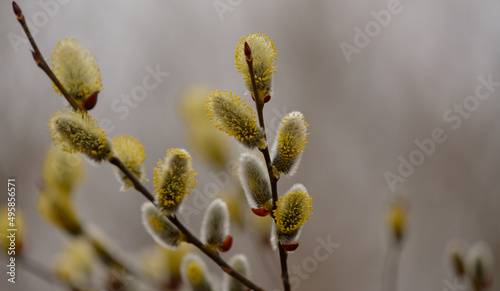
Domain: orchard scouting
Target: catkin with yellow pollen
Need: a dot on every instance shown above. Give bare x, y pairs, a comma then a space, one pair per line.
289, 144
229, 113
76, 69
264, 54
77, 131
159, 227
194, 273
174, 179
132, 154
57, 208
292, 211
62, 170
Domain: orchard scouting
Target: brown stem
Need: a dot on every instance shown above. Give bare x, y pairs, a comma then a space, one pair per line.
190, 238
259, 104
40, 61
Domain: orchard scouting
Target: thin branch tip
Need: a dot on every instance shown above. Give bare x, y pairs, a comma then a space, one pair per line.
248, 52
17, 10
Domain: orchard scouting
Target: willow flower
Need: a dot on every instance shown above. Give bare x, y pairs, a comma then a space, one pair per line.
131, 152
195, 273
174, 259
76, 69
215, 226
289, 144
76, 262
480, 265
57, 208
397, 219
153, 262
78, 132
292, 211
264, 54
159, 227
61, 169
230, 114
174, 179
12, 241
255, 182
241, 265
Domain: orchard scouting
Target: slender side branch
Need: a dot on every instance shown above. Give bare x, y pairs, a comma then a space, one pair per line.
265, 151
40, 61
118, 163
190, 238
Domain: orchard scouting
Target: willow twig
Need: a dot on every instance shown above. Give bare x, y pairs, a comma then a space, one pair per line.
40, 61
190, 238
259, 104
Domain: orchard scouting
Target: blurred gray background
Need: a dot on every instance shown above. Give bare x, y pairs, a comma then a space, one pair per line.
363, 114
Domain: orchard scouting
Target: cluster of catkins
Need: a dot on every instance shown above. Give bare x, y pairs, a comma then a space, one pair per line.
174, 177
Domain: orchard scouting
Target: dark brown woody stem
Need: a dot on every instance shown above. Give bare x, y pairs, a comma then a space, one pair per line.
259, 104
40, 61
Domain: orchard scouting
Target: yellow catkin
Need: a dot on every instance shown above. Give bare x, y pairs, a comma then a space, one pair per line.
292, 211
396, 218
194, 272
61, 169
174, 179
264, 54
78, 132
229, 113
159, 227
74, 264
12, 218
76, 69
290, 143
255, 181
132, 154
57, 208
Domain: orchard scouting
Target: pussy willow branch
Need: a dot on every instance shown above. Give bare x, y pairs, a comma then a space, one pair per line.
259, 104
40, 61
190, 238
117, 162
